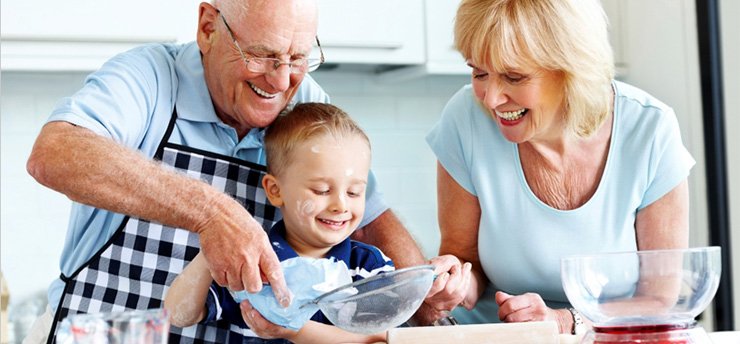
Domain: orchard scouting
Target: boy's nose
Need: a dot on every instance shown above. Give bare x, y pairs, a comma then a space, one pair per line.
339, 203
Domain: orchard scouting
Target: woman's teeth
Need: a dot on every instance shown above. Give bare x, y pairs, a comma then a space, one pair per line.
511, 115
261, 92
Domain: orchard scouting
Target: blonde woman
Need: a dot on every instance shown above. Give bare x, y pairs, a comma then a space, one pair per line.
545, 155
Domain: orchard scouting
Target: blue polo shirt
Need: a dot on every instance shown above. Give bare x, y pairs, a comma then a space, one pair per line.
362, 260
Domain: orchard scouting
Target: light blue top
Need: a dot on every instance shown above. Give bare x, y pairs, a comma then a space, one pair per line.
130, 100
520, 238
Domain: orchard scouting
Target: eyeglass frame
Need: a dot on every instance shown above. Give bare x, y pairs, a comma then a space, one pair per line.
277, 63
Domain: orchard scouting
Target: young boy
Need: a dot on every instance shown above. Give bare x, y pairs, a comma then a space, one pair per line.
318, 160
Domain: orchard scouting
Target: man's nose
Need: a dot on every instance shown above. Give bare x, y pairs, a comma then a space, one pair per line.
279, 78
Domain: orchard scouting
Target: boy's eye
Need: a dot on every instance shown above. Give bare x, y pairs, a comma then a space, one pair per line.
321, 192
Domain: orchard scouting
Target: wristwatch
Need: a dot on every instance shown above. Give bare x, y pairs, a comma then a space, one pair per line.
578, 326
445, 321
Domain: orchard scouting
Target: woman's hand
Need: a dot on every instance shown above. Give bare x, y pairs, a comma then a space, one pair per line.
261, 326
531, 307
451, 286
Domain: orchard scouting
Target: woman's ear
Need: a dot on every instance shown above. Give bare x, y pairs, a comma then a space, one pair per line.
272, 190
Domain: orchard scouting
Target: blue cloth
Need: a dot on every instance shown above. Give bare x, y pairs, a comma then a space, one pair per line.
362, 260
130, 100
302, 275
520, 238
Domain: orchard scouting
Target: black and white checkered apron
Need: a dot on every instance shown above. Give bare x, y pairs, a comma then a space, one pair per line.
136, 266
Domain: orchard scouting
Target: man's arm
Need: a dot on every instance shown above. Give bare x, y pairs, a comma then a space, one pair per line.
97, 171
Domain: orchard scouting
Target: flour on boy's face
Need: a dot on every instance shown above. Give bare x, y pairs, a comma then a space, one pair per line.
323, 192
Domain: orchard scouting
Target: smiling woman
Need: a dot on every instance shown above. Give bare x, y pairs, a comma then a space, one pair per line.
543, 147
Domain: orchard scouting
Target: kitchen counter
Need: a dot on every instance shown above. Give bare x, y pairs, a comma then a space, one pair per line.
508, 333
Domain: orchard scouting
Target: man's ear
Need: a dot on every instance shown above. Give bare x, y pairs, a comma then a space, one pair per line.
272, 190
207, 21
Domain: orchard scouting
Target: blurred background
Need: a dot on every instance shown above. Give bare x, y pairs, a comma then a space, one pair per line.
390, 64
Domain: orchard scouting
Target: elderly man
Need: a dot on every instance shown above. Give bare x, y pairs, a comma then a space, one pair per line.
161, 152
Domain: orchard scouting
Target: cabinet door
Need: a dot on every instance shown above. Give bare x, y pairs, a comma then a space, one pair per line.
372, 32
442, 57
80, 35
100, 20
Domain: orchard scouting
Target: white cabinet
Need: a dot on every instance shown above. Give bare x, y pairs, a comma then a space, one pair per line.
442, 57
372, 32
82, 34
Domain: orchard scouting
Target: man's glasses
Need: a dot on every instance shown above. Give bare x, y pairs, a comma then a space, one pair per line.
269, 64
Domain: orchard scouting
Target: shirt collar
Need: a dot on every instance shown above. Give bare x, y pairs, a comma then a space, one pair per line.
340, 251
193, 98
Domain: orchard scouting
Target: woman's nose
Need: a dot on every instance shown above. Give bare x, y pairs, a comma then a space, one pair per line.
495, 94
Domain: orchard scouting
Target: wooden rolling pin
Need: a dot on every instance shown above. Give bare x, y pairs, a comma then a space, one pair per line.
510, 333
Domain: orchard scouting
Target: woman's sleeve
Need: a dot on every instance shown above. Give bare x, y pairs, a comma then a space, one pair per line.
670, 161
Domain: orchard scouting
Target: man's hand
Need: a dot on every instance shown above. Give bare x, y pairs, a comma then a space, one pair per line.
238, 251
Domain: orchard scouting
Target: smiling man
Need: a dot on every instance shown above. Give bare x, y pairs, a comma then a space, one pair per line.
161, 152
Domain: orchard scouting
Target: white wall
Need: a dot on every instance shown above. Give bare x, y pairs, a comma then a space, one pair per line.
33, 219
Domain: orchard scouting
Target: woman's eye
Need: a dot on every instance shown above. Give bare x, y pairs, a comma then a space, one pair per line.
514, 77
479, 74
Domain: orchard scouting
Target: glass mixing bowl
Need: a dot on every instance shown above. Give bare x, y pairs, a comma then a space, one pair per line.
378, 303
659, 287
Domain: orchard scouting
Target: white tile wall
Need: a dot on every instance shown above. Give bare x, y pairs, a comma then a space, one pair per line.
33, 219
396, 116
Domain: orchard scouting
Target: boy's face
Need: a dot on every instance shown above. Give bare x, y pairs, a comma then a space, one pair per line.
321, 192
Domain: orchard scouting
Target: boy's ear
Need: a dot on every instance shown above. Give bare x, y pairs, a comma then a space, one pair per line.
272, 190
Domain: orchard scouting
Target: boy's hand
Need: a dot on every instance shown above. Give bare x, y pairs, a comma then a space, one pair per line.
263, 327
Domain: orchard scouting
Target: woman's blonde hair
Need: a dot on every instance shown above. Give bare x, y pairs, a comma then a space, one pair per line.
567, 36
301, 124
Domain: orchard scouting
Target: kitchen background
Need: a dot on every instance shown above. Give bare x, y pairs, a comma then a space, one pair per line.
390, 65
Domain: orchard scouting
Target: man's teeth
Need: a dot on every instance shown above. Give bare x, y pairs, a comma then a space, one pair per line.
511, 115
262, 92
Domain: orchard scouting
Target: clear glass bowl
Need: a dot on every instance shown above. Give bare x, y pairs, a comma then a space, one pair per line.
656, 287
378, 303
126, 327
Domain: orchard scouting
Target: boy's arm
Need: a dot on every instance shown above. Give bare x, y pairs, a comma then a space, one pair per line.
311, 332
185, 301
316, 332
